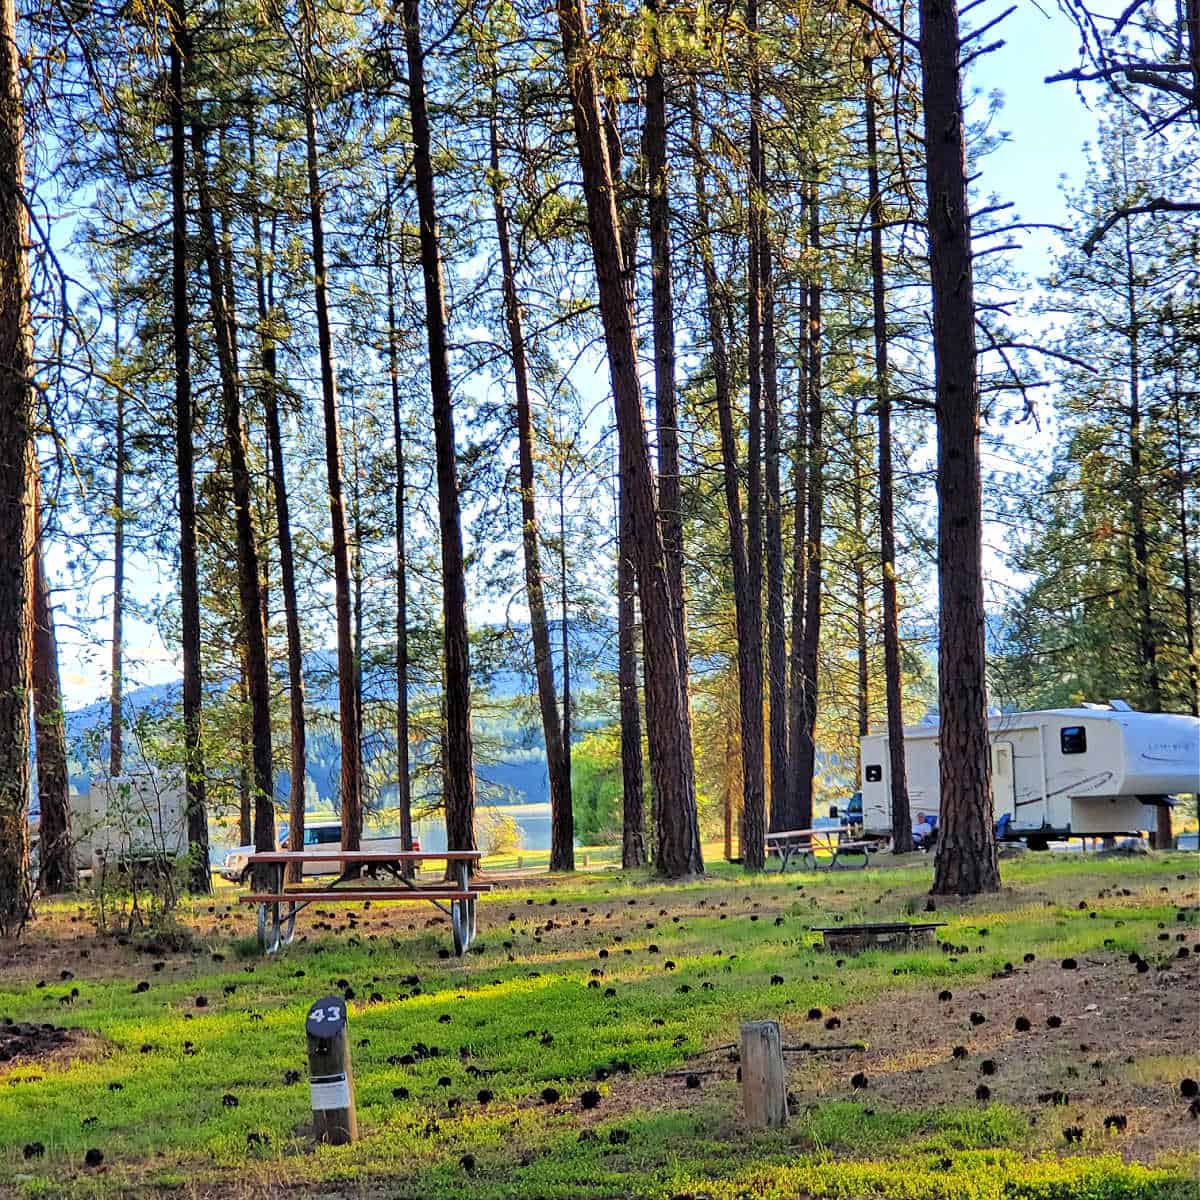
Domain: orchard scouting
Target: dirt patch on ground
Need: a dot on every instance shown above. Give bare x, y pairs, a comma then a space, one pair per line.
25, 1045
1069, 1046
1102, 1048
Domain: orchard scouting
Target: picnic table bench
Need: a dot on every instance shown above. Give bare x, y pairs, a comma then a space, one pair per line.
279, 904
805, 844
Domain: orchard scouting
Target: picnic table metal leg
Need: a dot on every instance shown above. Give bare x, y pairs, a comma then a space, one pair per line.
458, 922
268, 927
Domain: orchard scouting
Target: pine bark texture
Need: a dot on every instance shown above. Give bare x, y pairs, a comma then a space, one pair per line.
403, 779
200, 880
782, 811
55, 851
747, 606
677, 841
754, 821
562, 821
459, 768
966, 849
115, 729
250, 596
804, 749
799, 520
298, 734
350, 784
17, 531
902, 841
633, 805
662, 316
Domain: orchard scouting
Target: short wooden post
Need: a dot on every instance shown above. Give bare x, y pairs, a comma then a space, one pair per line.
330, 1078
764, 1082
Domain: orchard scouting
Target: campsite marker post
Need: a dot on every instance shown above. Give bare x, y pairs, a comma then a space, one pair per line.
330, 1078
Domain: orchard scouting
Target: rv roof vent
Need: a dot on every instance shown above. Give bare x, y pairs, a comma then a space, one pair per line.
1093, 704
1120, 705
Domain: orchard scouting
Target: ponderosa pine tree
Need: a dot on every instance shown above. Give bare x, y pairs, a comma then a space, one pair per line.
562, 826
264, 289
403, 770
350, 786
253, 619
200, 880
746, 601
677, 841
458, 766
966, 848
804, 748
902, 841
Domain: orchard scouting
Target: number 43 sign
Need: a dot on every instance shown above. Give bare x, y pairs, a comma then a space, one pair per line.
326, 1017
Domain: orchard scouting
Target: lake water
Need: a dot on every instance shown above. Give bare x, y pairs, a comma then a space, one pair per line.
533, 819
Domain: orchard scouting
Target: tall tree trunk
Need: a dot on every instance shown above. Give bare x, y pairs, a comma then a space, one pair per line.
804, 751
562, 852
902, 842
781, 810
459, 773
1185, 546
253, 621
666, 407
403, 781
633, 807
966, 849
799, 555
863, 690
265, 289
1147, 636
764, 435
17, 472
747, 605
115, 728
350, 785
562, 823
245, 761
356, 573
756, 216
677, 849
57, 872
200, 880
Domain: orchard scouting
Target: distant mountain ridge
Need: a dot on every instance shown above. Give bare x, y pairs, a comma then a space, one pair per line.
519, 773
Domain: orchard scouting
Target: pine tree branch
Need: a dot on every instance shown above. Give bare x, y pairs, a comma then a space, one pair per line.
1158, 204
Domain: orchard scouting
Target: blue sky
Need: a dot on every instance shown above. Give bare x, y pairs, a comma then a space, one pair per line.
1047, 126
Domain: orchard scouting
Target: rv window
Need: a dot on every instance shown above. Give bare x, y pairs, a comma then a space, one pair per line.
1073, 739
874, 773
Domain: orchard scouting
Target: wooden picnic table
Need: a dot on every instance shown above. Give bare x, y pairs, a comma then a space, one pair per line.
834, 841
278, 906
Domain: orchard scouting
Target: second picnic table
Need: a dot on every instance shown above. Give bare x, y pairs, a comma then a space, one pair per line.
834, 841
278, 906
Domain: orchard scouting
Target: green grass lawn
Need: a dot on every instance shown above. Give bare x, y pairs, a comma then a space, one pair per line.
599, 982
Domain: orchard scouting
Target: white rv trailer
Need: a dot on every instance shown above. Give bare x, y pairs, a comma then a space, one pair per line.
1067, 772
129, 818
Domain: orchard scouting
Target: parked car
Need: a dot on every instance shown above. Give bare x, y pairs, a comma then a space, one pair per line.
325, 837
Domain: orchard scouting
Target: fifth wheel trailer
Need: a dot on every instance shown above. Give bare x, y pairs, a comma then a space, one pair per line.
1090, 771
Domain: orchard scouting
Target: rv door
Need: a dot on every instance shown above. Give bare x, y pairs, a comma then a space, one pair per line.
1004, 784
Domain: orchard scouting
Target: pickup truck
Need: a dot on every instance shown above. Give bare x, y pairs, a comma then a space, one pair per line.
318, 836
